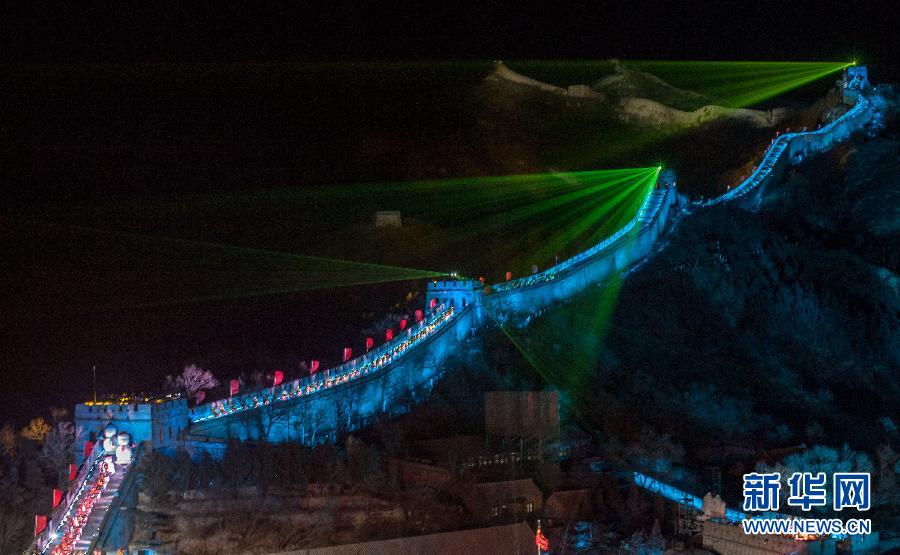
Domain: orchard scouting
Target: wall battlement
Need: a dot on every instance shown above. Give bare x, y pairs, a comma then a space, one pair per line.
866, 115
160, 422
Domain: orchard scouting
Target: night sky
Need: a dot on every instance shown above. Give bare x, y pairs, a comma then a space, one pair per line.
235, 31
47, 360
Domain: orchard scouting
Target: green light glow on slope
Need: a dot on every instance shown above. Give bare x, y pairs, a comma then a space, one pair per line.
602, 218
571, 191
735, 84
564, 344
549, 213
685, 86
739, 84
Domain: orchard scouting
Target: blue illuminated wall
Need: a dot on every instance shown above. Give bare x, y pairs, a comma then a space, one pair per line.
317, 418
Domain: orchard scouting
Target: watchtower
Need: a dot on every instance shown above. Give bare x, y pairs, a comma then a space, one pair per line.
667, 178
855, 80
458, 293
161, 420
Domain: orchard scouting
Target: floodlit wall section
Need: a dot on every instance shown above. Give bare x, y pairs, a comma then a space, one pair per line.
792, 148
346, 406
616, 255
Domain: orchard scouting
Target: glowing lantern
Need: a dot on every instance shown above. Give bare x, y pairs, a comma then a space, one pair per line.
433, 303
418, 315
403, 324
233, 387
278, 377
370, 342
508, 276
389, 334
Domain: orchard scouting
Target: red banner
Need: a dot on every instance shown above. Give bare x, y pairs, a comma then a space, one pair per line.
403, 324
348, 353
234, 387
73, 472
278, 377
389, 334
40, 522
540, 540
313, 366
370, 342
57, 497
418, 315
88, 447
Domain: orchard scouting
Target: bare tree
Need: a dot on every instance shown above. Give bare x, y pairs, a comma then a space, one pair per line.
345, 402
317, 416
56, 453
275, 414
193, 379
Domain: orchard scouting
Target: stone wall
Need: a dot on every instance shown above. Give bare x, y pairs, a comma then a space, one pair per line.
618, 257
319, 417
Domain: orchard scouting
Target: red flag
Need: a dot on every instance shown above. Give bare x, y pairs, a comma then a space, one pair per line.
278, 377
313, 367
540, 540
433, 303
234, 387
508, 276
40, 522
370, 342
57, 497
200, 395
418, 315
88, 447
403, 324
73, 472
389, 334
348, 353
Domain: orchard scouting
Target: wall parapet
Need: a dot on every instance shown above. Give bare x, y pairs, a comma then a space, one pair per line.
793, 147
372, 361
647, 212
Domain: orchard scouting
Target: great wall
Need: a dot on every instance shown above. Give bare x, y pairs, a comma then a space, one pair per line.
116, 433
